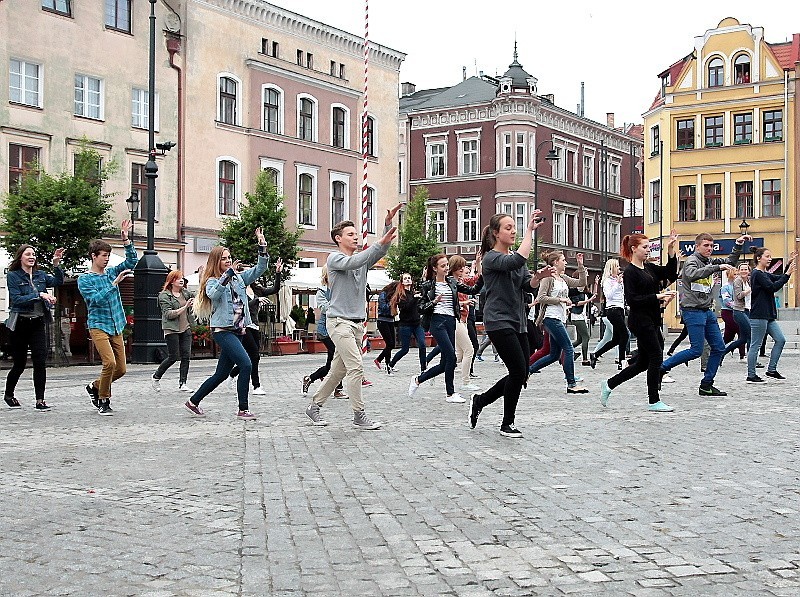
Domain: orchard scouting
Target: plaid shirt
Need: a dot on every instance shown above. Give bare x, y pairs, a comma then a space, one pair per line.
103, 300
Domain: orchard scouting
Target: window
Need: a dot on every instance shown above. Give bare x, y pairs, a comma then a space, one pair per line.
338, 202
588, 171
773, 125
333, 68
227, 100
519, 216
118, 15
341, 71
744, 199
264, 45
507, 150
370, 210
273, 177
140, 109
276, 49
370, 136
655, 201
557, 166
613, 236
613, 179
305, 120
25, 84
687, 203
88, 171
339, 124
716, 73
685, 134
227, 188
273, 110
88, 97
22, 160
469, 156
743, 128
771, 197
655, 140
436, 159
520, 150
309, 60
469, 224
588, 233
139, 188
62, 7
712, 201
300, 57
714, 128
438, 219
741, 69
559, 229
305, 194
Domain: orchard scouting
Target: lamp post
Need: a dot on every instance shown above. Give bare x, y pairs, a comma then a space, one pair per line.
150, 271
743, 226
552, 156
133, 207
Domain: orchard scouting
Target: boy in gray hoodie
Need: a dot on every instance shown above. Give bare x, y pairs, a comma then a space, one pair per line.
697, 308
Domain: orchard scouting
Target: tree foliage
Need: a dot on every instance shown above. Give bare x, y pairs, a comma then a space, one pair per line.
417, 239
65, 210
263, 207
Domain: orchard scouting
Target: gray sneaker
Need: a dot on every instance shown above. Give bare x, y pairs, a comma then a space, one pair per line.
362, 421
313, 413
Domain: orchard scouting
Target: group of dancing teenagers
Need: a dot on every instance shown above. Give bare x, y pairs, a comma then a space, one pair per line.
229, 297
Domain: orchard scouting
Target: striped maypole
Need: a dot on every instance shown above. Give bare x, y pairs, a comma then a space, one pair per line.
364, 146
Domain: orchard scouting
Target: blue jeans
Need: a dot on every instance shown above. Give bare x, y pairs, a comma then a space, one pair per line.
406, 332
703, 327
760, 328
743, 321
443, 328
231, 353
559, 340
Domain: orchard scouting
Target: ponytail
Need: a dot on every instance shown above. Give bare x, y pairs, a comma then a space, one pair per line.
489, 234
629, 243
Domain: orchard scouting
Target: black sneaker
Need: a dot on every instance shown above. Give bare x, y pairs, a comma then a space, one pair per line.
710, 391
105, 408
592, 360
474, 411
775, 375
306, 384
759, 366
12, 402
510, 431
94, 393
42, 407
756, 379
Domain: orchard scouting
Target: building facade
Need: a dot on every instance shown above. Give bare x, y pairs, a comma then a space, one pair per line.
269, 89
721, 143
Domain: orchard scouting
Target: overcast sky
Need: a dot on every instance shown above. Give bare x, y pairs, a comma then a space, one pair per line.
616, 47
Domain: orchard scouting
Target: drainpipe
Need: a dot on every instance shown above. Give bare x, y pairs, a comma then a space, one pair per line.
173, 47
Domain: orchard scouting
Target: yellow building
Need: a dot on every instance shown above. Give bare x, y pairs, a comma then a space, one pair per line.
721, 135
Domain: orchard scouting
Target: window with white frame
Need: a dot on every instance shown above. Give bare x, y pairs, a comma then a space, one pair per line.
25, 83
469, 223
588, 171
370, 210
340, 127
520, 150
557, 167
273, 176
274, 170
588, 233
613, 235
437, 218
506, 208
305, 199
437, 159
227, 185
559, 228
370, 137
520, 211
22, 161
306, 118
338, 202
273, 110
507, 150
469, 156
655, 201
613, 178
228, 100
140, 109
88, 97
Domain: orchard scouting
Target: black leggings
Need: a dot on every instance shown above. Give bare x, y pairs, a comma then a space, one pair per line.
513, 349
28, 333
679, 339
323, 371
386, 328
616, 315
252, 344
650, 355
473, 337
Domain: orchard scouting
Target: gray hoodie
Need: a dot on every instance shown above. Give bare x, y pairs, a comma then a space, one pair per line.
697, 280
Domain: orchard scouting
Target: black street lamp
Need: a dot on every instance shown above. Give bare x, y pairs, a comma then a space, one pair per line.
150, 272
743, 227
133, 207
552, 156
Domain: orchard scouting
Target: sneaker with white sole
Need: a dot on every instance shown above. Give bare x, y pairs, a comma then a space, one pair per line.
660, 407
312, 412
245, 415
605, 393
259, 391
306, 385
510, 431
667, 379
365, 383
363, 422
194, 408
470, 387
182, 387
155, 384
455, 398
413, 386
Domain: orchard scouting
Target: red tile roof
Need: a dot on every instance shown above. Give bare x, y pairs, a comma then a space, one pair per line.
787, 53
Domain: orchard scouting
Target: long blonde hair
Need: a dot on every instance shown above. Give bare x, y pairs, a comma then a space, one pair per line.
609, 269
202, 304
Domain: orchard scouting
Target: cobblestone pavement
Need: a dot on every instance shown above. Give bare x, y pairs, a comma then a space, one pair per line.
618, 501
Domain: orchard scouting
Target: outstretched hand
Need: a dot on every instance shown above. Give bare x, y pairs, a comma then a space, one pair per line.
260, 236
390, 235
278, 265
390, 213
124, 229
121, 276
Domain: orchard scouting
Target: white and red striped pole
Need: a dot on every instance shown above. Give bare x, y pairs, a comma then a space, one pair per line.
364, 147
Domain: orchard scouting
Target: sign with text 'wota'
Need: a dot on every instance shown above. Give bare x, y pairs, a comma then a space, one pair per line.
722, 246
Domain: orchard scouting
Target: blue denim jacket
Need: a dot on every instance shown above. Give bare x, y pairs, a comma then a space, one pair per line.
221, 298
23, 296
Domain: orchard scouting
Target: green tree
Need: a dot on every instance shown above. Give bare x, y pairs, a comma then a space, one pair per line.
263, 207
417, 242
64, 210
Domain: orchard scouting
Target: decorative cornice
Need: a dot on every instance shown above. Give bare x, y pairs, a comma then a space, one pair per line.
263, 13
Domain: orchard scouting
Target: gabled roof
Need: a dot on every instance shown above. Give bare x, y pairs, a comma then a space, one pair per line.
787, 53
470, 91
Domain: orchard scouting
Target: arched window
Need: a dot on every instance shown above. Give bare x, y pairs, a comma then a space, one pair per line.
716, 73
306, 200
370, 136
272, 176
305, 119
273, 110
227, 187
338, 190
741, 69
339, 124
228, 89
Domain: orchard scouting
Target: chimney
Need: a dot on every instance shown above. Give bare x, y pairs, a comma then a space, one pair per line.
583, 104
407, 89
610, 119
463, 73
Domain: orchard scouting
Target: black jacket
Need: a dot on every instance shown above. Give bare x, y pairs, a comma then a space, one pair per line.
428, 300
259, 291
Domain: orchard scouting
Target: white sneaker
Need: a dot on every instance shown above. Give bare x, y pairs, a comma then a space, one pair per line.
667, 379
182, 387
232, 383
155, 384
413, 387
455, 398
259, 391
470, 387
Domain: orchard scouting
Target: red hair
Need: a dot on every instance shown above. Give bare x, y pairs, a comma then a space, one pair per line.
629, 243
172, 277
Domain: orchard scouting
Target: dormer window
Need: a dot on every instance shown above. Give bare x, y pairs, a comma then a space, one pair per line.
741, 69
716, 73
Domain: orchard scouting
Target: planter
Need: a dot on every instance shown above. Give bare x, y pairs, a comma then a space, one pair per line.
286, 348
315, 346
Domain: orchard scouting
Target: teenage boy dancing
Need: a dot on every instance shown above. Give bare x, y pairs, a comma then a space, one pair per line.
697, 303
106, 317
347, 281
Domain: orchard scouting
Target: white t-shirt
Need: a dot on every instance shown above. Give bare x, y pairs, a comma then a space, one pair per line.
444, 306
559, 311
614, 292
748, 299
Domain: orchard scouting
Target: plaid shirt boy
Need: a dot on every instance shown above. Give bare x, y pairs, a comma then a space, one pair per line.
102, 298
